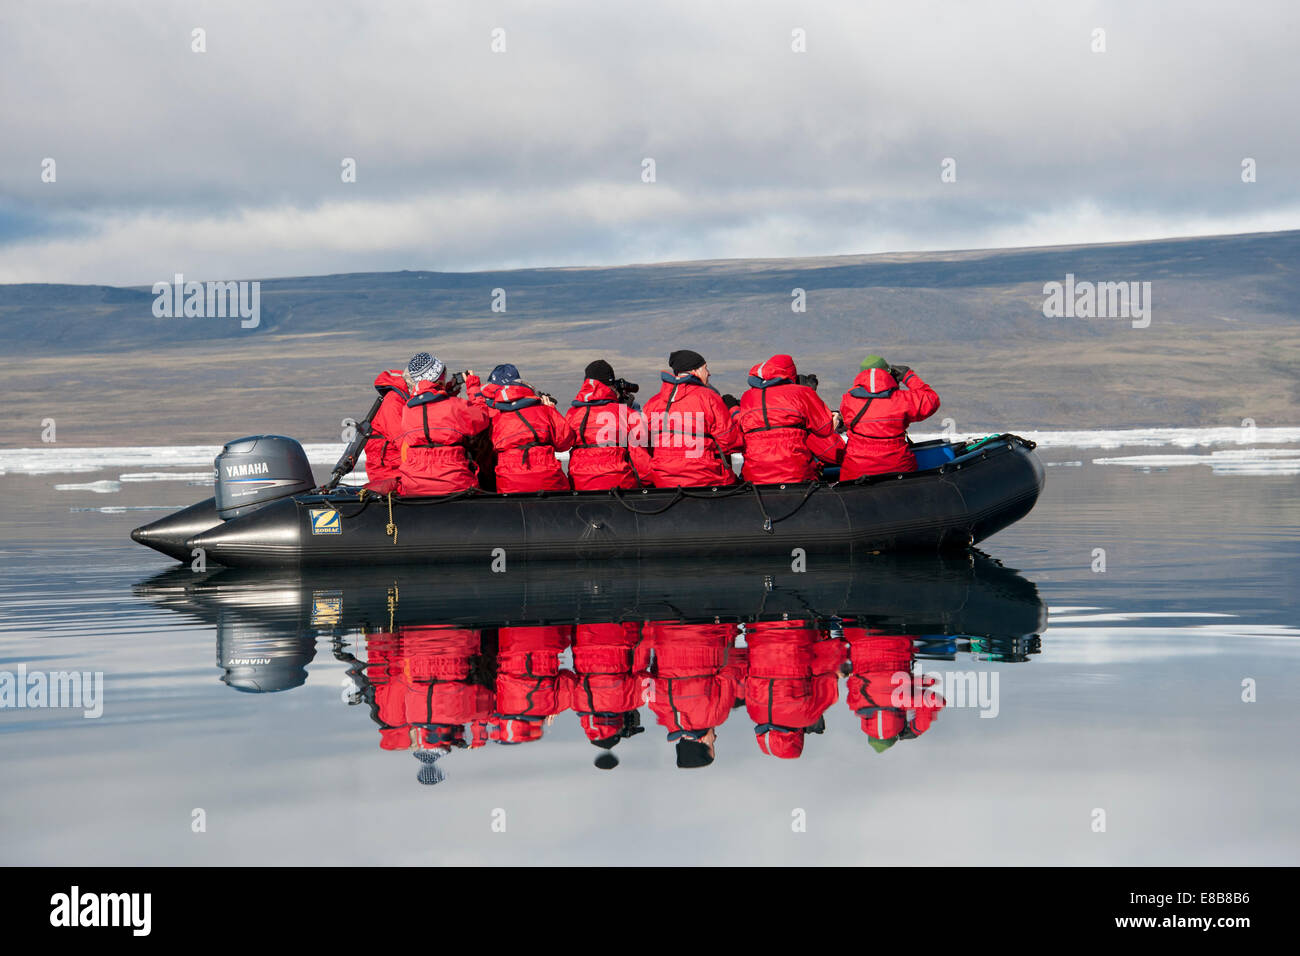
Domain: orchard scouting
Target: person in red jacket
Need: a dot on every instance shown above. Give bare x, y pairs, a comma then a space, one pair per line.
423, 685
787, 427
892, 703
610, 437
883, 401
527, 431
383, 450
530, 685
439, 431
692, 432
610, 661
698, 677
793, 680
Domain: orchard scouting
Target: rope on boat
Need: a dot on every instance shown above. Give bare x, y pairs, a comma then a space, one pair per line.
658, 511
768, 520
392, 526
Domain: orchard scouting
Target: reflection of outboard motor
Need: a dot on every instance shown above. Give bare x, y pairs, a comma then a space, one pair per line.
261, 659
253, 471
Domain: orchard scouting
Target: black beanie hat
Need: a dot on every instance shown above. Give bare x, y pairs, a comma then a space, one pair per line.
693, 753
601, 371
684, 360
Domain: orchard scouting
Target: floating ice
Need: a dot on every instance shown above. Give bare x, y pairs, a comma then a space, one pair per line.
1251, 461
1139, 437
58, 460
193, 477
98, 487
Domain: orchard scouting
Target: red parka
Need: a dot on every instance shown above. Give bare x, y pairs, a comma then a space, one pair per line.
526, 435
609, 449
422, 679
437, 432
787, 427
882, 690
383, 448
530, 685
793, 679
699, 674
876, 412
692, 433
609, 677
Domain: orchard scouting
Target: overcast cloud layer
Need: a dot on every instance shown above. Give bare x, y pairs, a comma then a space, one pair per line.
226, 164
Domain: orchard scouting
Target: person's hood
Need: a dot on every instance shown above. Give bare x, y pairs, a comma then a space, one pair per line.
391, 380
593, 392
509, 398
426, 392
671, 381
600, 727
779, 369
517, 730
873, 383
882, 723
786, 744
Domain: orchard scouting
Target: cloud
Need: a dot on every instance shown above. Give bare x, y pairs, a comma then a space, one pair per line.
227, 163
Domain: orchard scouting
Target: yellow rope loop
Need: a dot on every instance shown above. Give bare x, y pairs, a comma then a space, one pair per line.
392, 527
361, 495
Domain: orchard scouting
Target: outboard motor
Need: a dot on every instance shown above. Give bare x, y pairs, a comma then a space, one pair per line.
262, 658
253, 471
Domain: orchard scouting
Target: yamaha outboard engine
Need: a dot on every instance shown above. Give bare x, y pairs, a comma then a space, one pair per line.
262, 658
261, 468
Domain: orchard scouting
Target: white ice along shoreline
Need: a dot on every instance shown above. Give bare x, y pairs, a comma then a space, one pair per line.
56, 459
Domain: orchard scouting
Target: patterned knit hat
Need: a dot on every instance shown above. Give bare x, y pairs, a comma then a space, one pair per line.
424, 367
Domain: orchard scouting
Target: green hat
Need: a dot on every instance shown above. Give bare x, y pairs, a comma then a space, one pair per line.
873, 361
880, 746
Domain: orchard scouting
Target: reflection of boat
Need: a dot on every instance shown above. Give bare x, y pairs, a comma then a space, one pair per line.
452, 658
964, 493
968, 594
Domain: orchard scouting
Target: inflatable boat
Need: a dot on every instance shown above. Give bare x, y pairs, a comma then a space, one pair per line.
267, 512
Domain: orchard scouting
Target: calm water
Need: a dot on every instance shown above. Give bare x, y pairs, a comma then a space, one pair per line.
1127, 700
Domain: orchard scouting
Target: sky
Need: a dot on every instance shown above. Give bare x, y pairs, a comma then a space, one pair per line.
228, 163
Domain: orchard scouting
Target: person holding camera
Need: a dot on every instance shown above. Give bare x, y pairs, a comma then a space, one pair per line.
383, 452
527, 431
438, 432
609, 450
788, 428
883, 401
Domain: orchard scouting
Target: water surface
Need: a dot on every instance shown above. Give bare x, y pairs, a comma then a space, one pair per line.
1129, 702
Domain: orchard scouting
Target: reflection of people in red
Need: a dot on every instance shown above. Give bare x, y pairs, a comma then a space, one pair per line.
698, 677
605, 689
528, 681
882, 690
424, 686
793, 680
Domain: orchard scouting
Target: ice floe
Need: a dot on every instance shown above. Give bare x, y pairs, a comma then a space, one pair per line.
1251, 461
1139, 437
149, 459
98, 487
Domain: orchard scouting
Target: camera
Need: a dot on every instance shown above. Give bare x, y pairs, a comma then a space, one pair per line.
455, 383
809, 380
625, 390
